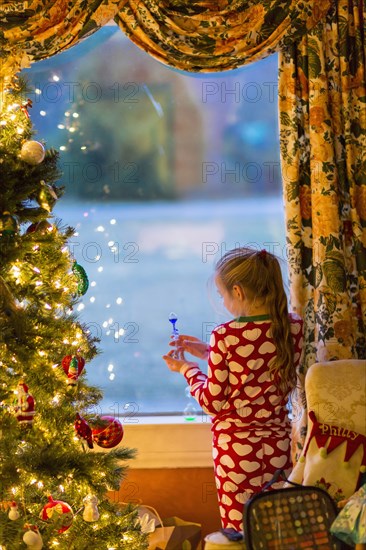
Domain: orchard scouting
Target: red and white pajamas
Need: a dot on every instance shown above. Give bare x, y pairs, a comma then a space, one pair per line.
250, 424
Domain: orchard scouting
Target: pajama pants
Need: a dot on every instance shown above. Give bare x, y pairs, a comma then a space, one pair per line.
243, 463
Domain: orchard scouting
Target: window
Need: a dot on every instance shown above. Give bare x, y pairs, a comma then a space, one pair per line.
163, 171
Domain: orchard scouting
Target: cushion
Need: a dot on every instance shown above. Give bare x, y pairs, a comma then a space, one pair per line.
334, 452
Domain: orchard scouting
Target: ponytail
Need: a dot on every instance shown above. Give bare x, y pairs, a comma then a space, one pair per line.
259, 273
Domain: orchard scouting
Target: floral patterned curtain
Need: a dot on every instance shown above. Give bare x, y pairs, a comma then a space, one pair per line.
34, 30
322, 103
193, 35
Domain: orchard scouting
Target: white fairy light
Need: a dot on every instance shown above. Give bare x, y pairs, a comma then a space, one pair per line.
100, 269
119, 300
80, 307
55, 78
112, 221
92, 299
61, 126
93, 283
42, 113
100, 229
110, 367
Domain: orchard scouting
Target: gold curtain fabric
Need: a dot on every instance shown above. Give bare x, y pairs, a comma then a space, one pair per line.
216, 35
322, 104
212, 35
34, 30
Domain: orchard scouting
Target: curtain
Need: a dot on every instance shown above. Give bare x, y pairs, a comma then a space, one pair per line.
203, 35
322, 104
45, 28
216, 35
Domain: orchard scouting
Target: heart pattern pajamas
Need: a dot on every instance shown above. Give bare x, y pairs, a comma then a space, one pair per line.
250, 424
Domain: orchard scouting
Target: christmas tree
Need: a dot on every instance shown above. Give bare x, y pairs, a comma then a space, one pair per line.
58, 457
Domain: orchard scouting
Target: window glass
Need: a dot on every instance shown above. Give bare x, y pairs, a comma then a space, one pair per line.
163, 172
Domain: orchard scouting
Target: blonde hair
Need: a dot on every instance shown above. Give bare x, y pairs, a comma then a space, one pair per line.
259, 275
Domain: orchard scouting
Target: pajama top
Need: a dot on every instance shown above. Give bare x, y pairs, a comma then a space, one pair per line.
250, 424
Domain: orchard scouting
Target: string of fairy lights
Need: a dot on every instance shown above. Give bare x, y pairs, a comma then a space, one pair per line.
110, 326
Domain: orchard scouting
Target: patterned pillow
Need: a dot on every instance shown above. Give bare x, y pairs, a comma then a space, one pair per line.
334, 457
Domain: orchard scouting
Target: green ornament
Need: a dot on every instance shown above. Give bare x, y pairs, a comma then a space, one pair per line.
47, 196
83, 281
8, 225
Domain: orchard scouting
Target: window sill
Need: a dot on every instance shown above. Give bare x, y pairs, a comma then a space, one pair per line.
169, 442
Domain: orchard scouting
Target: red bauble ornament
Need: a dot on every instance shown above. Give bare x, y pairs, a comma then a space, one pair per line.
73, 366
43, 227
109, 433
59, 512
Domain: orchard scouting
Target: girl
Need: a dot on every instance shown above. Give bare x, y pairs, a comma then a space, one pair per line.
252, 363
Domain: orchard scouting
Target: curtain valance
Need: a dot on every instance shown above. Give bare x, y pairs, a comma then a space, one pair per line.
189, 35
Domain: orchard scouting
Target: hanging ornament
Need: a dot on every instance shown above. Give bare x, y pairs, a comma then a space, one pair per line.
32, 538
13, 512
8, 225
108, 433
25, 405
91, 512
24, 107
175, 332
73, 366
42, 228
32, 152
47, 196
59, 512
84, 430
82, 278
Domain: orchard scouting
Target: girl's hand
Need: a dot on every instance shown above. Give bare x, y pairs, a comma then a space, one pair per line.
191, 345
173, 363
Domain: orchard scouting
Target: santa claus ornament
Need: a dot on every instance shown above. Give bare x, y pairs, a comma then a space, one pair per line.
73, 366
84, 430
58, 512
25, 405
108, 433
